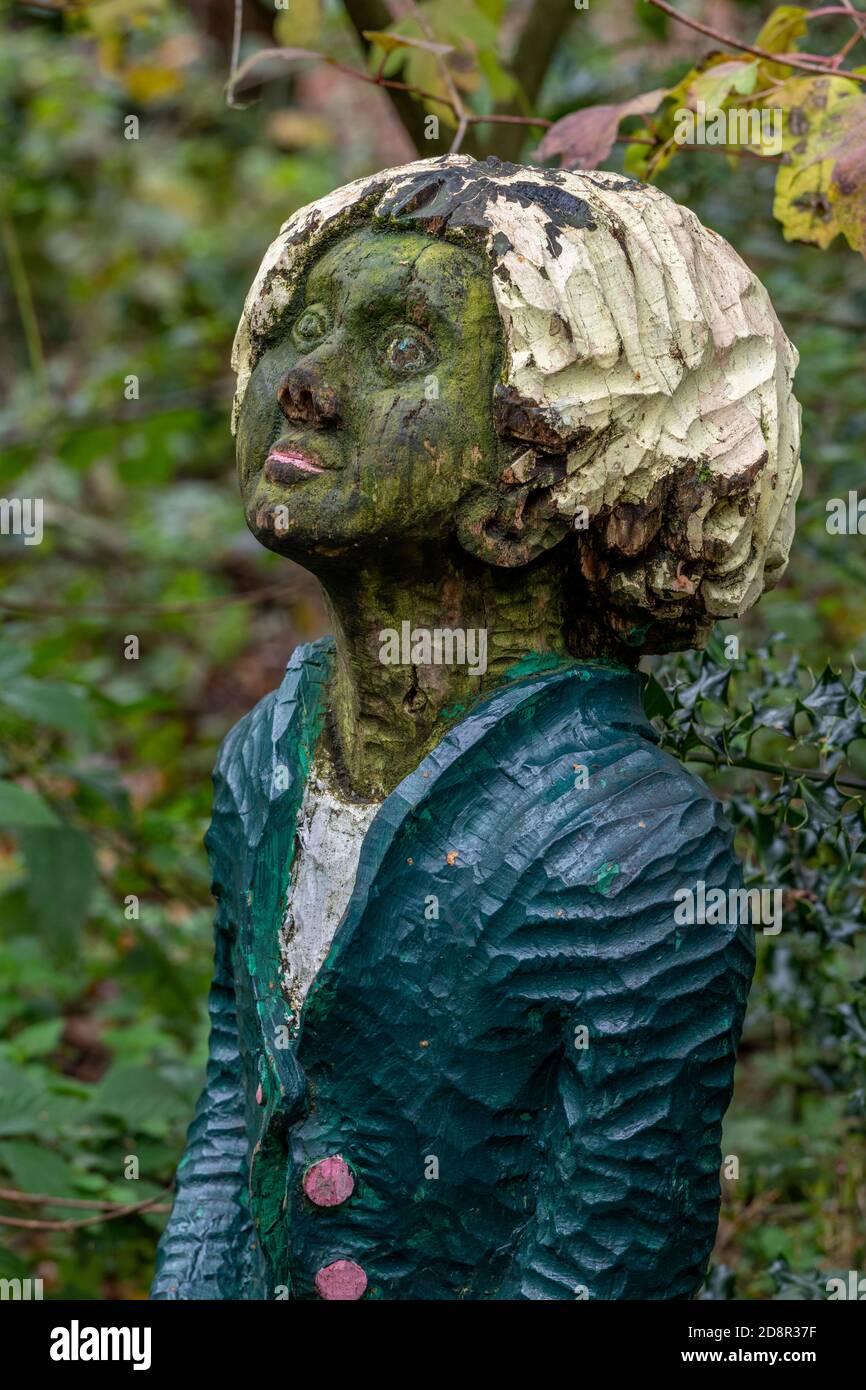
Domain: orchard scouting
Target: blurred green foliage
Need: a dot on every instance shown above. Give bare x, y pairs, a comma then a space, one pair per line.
129, 259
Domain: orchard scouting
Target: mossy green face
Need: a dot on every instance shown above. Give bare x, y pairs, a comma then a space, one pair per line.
370, 419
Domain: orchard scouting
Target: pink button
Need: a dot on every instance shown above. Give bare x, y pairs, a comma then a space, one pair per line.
329, 1182
341, 1280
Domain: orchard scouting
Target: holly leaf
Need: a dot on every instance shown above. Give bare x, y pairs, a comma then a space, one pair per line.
584, 138
656, 701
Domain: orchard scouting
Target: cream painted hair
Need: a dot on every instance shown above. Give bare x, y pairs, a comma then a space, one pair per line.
647, 343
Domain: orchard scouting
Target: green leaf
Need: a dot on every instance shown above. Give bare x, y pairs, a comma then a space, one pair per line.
28, 1107
653, 20
20, 808
33, 1168
141, 1098
11, 1267
503, 85
56, 704
13, 661
491, 9
61, 877
37, 1040
715, 84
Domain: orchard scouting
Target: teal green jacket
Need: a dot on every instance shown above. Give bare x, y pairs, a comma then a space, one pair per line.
520, 1060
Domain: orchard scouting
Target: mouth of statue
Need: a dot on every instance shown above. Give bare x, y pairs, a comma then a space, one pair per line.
286, 464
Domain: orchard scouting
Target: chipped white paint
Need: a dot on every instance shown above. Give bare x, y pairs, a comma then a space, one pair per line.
673, 365
330, 832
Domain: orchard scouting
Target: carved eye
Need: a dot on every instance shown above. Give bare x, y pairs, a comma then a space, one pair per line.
409, 351
311, 326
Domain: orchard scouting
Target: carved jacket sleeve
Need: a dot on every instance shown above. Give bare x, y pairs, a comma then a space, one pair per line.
209, 1249
648, 1018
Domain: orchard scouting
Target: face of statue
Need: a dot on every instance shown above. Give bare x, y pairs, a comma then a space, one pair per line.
370, 419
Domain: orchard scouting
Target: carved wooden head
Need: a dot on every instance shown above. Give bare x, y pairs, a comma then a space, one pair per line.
532, 366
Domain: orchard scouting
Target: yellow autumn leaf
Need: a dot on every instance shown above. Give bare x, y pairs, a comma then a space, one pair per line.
814, 109
146, 83
293, 129
109, 53
848, 184
781, 30
779, 35
300, 25
103, 17
818, 115
849, 207
801, 203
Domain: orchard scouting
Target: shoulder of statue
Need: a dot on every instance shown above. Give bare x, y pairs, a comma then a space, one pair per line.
264, 759
586, 749
294, 702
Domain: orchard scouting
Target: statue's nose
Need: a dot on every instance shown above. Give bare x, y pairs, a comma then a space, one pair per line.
307, 397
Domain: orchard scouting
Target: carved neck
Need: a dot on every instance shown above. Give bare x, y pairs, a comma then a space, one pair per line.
415, 652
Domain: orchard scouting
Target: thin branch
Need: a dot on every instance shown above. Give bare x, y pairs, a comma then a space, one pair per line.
859, 21
243, 80
45, 1199
510, 120
73, 1225
462, 127
236, 40
445, 73
846, 9
374, 16
544, 24
710, 759
364, 13
802, 62
736, 150
466, 118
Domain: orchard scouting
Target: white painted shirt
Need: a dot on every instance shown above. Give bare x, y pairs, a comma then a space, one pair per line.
330, 832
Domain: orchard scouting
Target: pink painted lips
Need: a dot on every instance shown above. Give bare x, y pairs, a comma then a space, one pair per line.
287, 465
